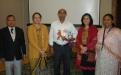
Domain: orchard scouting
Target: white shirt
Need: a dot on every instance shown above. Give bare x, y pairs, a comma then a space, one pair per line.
13, 33
65, 29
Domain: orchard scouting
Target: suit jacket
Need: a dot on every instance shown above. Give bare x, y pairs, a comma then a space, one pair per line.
12, 49
0, 45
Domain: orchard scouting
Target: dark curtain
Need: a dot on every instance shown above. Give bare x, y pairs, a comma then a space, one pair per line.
118, 14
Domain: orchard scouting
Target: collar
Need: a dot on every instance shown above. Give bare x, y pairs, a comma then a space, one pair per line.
65, 21
11, 28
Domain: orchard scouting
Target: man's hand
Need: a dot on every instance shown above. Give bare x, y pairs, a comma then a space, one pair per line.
2, 60
24, 57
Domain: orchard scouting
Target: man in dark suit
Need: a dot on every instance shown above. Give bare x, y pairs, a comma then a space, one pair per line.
0, 47
13, 46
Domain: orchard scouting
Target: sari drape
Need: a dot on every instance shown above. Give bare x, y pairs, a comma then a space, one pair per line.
38, 41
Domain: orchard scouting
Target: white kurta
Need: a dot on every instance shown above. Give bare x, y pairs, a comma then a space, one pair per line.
107, 63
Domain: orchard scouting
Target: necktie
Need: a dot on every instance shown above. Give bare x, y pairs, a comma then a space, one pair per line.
12, 30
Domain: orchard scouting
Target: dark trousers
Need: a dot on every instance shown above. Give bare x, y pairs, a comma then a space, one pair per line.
87, 72
62, 54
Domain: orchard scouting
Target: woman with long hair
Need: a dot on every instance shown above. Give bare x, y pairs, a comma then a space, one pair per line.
86, 42
108, 48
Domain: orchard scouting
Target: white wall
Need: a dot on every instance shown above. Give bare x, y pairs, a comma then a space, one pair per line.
75, 9
20, 9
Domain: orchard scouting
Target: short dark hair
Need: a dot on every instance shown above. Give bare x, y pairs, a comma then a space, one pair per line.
111, 17
37, 14
62, 10
90, 17
10, 16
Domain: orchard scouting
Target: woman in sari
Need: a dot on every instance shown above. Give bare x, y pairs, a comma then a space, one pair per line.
108, 48
38, 45
86, 41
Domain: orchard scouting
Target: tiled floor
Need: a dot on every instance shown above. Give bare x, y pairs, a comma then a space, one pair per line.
26, 69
